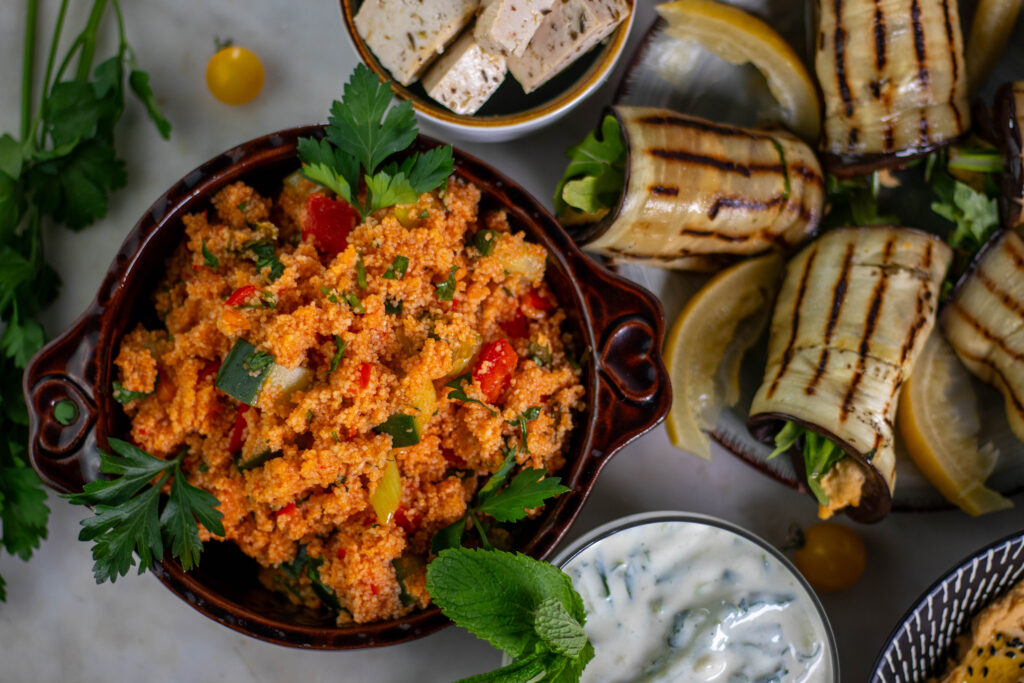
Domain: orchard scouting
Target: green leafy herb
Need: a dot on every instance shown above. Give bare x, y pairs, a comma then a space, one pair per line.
339, 352
483, 240
396, 271
258, 461
820, 455
361, 272
459, 394
539, 354
854, 201
304, 564
595, 176
446, 289
363, 131
402, 429
527, 415
258, 362
522, 606
974, 214
267, 299
61, 166
209, 259
266, 257
392, 308
126, 396
128, 513
353, 301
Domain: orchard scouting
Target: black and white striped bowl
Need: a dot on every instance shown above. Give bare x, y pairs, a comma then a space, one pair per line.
919, 646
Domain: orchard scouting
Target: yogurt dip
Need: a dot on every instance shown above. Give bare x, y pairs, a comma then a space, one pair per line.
692, 600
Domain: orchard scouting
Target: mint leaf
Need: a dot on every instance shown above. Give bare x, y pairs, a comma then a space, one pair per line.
558, 629
573, 670
494, 595
526, 491
536, 666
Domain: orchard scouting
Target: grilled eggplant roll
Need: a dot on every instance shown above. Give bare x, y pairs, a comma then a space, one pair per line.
853, 312
698, 195
893, 79
983, 321
1009, 121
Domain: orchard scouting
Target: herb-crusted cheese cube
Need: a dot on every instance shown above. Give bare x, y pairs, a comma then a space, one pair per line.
465, 76
406, 35
568, 31
506, 26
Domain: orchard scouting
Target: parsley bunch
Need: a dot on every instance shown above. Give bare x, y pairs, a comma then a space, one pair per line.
125, 522
363, 131
523, 606
62, 167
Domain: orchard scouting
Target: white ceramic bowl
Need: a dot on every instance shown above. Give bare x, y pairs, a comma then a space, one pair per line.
509, 113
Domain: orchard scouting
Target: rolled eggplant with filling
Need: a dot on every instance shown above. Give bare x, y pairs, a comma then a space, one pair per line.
1009, 120
893, 79
677, 191
984, 318
854, 310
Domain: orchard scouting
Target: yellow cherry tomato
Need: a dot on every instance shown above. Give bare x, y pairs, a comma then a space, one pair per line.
234, 75
832, 557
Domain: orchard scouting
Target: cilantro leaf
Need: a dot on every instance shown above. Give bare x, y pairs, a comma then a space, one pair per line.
526, 491
362, 126
494, 594
595, 176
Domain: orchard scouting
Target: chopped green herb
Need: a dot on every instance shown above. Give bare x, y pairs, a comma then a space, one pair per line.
126, 396
459, 394
539, 354
204, 467
974, 214
392, 308
65, 412
353, 301
424, 214
258, 362
484, 240
446, 289
396, 271
405, 566
402, 429
267, 299
266, 257
335, 437
361, 272
527, 415
304, 564
339, 352
209, 259
258, 461
243, 372
242, 205
987, 160
309, 416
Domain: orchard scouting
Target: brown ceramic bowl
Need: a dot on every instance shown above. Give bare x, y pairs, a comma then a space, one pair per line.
627, 389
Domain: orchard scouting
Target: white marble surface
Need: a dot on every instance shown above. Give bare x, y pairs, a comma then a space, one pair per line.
58, 625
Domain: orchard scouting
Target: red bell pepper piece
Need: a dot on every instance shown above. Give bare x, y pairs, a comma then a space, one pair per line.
493, 369
286, 510
240, 295
364, 375
210, 368
409, 521
518, 327
538, 301
235, 444
328, 222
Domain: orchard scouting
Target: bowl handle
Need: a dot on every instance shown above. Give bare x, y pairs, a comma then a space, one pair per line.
629, 326
63, 374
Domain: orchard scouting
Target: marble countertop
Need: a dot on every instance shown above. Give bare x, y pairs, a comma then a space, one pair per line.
58, 624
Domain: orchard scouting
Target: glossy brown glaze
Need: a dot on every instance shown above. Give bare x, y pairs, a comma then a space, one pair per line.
621, 324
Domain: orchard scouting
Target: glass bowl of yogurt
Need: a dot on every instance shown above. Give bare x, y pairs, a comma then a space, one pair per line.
674, 596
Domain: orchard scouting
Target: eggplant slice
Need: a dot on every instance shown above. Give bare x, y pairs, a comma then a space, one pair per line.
699, 195
854, 310
984, 322
1009, 118
893, 79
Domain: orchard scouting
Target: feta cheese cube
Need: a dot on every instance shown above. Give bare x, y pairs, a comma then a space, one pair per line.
406, 35
506, 26
465, 76
568, 31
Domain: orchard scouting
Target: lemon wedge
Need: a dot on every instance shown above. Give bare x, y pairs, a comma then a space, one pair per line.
938, 421
993, 23
706, 344
739, 38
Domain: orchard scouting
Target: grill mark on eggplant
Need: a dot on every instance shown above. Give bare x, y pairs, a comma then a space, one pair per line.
920, 319
950, 41
838, 297
735, 203
1018, 405
890, 142
807, 174
787, 354
724, 165
923, 128
840, 52
980, 328
927, 259
869, 331
702, 126
880, 41
852, 138
919, 50
663, 191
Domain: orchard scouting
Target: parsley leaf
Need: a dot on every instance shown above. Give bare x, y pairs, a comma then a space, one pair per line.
329, 167
446, 290
339, 351
528, 415
974, 214
529, 489
387, 189
128, 519
459, 394
209, 259
23, 508
523, 606
266, 257
595, 176
126, 396
73, 189
396, 271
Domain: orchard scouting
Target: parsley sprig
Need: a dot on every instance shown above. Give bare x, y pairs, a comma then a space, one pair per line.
820, 454
62, 167
523, 606
129, 518
364, 130
502, 500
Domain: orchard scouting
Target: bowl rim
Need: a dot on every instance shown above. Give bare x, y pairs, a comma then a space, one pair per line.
79, 362
639, 519
614, 47
936, 587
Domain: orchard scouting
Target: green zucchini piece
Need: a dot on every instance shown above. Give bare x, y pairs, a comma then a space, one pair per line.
243, 372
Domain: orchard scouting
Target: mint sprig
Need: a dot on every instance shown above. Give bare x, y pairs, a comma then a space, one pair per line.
522, 606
